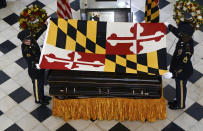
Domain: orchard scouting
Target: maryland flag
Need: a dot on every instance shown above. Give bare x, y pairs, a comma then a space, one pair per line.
104, 46
152, 11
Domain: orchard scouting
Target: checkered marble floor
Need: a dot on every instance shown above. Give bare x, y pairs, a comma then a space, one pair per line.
19, 112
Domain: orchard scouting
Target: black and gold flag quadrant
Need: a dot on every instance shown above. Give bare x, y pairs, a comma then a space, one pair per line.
78, 35
152, 63
151, 11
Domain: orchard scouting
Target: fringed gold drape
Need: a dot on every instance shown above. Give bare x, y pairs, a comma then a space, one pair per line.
110, 109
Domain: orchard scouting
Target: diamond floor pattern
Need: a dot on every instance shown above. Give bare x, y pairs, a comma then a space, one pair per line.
21, 94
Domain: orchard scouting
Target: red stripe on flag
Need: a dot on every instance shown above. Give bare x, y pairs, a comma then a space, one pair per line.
63, 9
157, 1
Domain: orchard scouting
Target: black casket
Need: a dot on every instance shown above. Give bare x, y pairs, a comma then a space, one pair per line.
87, 84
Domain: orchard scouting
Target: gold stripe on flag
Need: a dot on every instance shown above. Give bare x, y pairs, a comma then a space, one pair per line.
152, 60
52, 34
92, 30
151, 11
70, 43
63, 25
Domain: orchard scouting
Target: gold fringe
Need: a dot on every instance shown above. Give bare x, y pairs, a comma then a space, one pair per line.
110, 109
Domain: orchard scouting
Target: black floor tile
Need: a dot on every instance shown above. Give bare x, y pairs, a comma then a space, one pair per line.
196, 111
54, 15
195, 43
14, 127
201, 28
172, 127
1, 113
66, 127
139, 16
169, 58
7, 46
38, 3
169, 92
41, 113
11, 19
75, 5
3, 77
19, 95
163, 3
22, 63
119, 127
195, 76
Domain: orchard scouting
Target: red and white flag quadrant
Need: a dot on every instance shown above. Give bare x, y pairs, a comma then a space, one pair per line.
135, 38
57, 58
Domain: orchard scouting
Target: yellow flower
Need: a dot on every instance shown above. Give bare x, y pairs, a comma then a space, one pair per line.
29, 11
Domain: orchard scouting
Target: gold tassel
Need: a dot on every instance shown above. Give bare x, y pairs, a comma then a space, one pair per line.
110, 108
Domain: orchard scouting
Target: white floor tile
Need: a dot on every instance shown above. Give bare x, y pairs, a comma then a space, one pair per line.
16, 6
188, 102
53, 123
9, 86
52, 6
5, 122
22, 77
139, 4
4, 13
40, 127
15, 54
196, 94
16, 27
159, 124
197, 127
132, 125
12, 69
6, 104
105, 124
79, 124
16, 41
199, 50
197, 36
1, 54
92, 127
29, 104
76, 15
3, 25
200, 101
199, 66
5, 61
48, 10
2, 38
173, 114
2, 94
28, 86
146, 127
16, 113
201, 120
26, 2
185, 121
11, 31
27, 122
46, 2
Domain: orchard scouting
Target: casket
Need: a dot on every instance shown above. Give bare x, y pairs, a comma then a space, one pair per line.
87, 84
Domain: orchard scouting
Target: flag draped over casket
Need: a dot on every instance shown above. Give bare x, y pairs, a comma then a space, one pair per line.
103, 46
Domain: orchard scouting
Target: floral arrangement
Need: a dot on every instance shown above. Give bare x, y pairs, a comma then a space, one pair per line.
32, 18
188, 6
